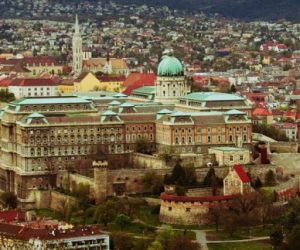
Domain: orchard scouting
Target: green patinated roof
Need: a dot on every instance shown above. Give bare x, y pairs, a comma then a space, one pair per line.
228, 149
235, 112
50, 100
106, 113
114, 103
212, 96
126, 105
145, 90
36, 115
164, 111
119, 95
170, 66
179, 113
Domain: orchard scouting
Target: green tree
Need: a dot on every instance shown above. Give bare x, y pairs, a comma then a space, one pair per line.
293, 238
106, 212
178, 174
122, 221
154, 182
257, 183
143, 146
277, 236
180, 190
165, 235
82, 193
155, 245
182, 242
6, 96
121, 241
270, 131
291, 220
270, 178
232, 88
9, 199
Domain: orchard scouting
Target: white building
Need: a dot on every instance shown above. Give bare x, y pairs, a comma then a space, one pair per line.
26, 87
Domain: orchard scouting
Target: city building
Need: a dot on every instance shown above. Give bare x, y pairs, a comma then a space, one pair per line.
26, 87
237, 181
23, 237
42, 136
226, 156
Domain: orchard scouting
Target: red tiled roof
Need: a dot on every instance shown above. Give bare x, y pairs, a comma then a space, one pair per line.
296, 92
111, 78
168, 197
290, 113
137, 80
241, 173
33, 82
261, 112
26, 233
5, 82
286, 125
31, 61
11, 215
277, 112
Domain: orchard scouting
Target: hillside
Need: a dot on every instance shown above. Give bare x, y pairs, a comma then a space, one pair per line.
242, 9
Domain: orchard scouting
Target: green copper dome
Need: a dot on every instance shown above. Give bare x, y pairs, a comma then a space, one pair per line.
170, 66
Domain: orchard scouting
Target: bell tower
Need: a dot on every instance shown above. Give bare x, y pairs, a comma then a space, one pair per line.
77, 49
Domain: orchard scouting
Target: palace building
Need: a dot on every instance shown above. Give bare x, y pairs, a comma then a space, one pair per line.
43, 137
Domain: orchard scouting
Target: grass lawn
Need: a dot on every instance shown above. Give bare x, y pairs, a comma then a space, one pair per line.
191, 234
241, 246
242, 233
191, 227
137, 229
222, 235
148, 215
47, 213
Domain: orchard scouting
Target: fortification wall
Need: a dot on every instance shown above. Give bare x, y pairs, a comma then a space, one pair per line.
77, 179
184, 213
59, 201
284, 147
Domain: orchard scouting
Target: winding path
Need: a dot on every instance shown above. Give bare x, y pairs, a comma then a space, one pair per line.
201, 239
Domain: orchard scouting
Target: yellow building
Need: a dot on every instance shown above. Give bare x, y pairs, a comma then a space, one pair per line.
40, 64
112, 83
87, 81
66, 87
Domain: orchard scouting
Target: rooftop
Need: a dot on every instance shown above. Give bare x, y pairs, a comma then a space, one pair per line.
212, 96
50, 100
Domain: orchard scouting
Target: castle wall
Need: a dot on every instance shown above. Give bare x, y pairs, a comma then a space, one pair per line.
186, 213
284, 147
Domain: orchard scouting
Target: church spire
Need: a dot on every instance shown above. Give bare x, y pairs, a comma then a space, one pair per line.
76, 25
77, 49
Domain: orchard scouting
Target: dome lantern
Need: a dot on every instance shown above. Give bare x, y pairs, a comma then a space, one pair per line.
170, 65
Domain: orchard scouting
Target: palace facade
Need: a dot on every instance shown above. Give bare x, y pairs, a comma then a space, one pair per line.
44, 137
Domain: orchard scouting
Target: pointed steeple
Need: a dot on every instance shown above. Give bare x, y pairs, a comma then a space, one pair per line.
76, 25
77, 49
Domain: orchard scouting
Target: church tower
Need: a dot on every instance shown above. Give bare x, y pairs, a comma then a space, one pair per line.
170, 83
77, 50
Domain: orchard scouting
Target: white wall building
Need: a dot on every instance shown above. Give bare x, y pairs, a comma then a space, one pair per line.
33, 87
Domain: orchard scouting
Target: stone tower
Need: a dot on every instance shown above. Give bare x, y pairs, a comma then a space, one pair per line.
170, 83
77, 49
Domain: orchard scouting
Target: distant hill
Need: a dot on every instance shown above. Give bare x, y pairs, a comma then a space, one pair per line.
241, 9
